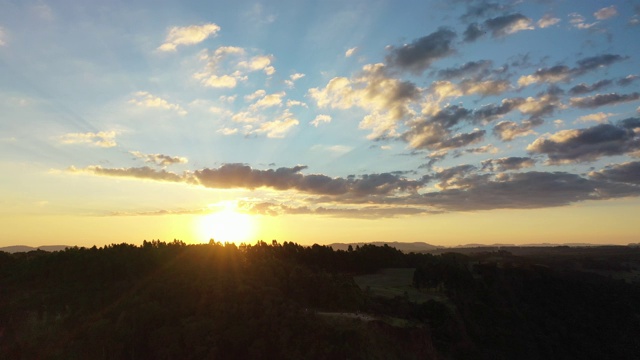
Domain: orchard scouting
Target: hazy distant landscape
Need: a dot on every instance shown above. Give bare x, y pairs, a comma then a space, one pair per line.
287, 301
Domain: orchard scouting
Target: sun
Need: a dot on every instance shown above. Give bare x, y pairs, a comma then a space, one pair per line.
227, 225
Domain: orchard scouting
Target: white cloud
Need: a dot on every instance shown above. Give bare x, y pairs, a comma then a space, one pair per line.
321, 119
386, 99
260, 62
292, 79
278, 128
228, 98
334, 149
606, 13
578, 21
269, 101
597, 117
3, 37
145, 99
105, 139
224, 81
547, 20
350, 52
160, 159
188, 35
227, 131
256, 94
291, 103
245, 117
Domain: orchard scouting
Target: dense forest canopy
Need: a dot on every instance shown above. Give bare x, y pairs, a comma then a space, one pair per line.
287, 301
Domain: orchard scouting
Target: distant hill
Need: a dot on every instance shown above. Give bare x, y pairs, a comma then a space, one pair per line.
405, 247
23, 248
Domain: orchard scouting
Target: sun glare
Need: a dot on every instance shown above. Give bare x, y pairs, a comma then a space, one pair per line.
227, 225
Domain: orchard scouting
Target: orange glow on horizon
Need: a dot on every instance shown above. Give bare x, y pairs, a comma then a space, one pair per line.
226, 225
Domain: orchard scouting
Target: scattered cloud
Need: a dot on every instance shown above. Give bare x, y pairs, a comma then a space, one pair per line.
334, 149
628, 172
145, 99
159, 159
3, 36
293, 78
320, 119
421, 53
589, 144
508, 163
548, 20
627, 80
269, 100
255, 95
595, 101
388, 100
350, 52
508, 24
606, 13
472, 69
277, 128
579, 22
597, 117
188, 35
583, 88
509, 130
105, 139
564, 73
528, 190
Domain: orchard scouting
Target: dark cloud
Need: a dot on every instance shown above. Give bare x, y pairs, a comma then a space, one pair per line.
507, 24
595, 62
584, 88
365, 212
473, 32
475, 69
625, 173
482, 9
485, 88
603, 99
232, 176
461, 140
627, 80
525, 191
451, 177
508, 163
582, 145
509, 130
630, 123
559, 73
491, 112
451, 115
418, 56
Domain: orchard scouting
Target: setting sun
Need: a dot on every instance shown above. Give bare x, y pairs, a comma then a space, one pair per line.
227, 225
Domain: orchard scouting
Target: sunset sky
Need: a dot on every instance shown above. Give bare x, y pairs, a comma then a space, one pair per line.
449, 122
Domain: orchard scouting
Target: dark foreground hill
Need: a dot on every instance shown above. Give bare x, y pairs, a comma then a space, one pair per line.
286, 301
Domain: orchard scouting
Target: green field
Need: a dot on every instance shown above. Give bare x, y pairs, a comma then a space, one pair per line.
394, 282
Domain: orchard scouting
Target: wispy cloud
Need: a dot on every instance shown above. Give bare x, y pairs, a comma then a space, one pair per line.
145, 99
105, 139
188, 35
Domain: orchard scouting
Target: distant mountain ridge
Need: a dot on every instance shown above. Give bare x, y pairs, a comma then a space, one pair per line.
24, 248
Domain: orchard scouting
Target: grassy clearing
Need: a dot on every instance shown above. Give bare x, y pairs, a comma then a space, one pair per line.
392, 282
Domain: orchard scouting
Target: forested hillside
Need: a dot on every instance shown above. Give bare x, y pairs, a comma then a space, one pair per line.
286, 301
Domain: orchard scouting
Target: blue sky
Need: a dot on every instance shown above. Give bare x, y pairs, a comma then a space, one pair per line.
317, 111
